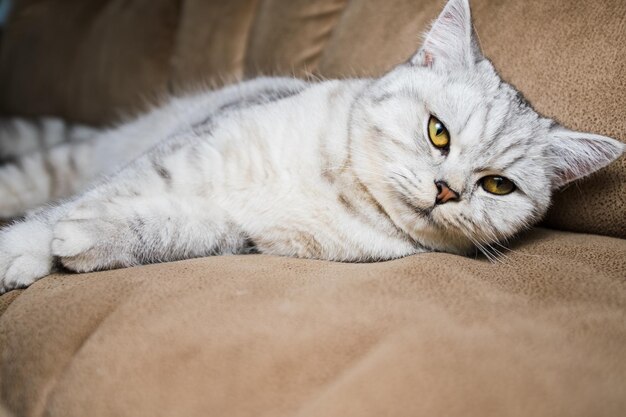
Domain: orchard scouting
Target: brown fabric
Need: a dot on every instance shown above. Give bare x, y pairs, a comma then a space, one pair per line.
373, 36
7, 299
4, 412
289, 36
542, 334
89, 61
211, 42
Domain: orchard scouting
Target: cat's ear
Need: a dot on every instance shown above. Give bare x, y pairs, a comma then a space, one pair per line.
576, 154
451, 42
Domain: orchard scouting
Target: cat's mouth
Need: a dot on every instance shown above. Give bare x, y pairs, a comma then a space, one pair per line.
436, 216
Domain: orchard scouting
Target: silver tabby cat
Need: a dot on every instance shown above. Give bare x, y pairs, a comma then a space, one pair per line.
439, 154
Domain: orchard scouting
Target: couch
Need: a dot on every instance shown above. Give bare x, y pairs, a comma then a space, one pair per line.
540, 332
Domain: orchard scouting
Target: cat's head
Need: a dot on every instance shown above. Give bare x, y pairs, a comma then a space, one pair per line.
455, 155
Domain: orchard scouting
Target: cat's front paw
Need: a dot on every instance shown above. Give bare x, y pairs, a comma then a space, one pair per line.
86, 239
24, 254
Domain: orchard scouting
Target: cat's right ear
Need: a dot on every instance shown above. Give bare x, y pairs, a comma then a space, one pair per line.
574, 155
451, 43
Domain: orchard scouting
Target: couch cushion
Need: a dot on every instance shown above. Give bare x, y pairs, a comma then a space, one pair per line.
211, 43
541, 334
94, 60
288, 37
90, 61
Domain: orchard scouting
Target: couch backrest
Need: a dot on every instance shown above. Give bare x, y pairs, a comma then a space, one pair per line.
94, 60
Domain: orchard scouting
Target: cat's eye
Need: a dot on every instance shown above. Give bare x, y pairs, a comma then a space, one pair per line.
438, 134
495, 184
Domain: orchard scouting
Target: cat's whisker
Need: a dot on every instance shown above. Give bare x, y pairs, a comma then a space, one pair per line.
498, 254
482, 249
519, 253
492, 242
469, 230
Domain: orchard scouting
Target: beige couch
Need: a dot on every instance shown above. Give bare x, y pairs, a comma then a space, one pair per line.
541, 333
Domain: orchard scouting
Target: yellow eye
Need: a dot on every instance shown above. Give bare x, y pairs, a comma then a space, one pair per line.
438, 133
497, 185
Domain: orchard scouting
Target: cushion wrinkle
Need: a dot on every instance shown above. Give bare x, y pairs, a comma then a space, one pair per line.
212, 44
288, 38
264, 336
311, 61
52, 383
51, 365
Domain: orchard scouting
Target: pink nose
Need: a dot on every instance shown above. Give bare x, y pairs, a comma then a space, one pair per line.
445, 193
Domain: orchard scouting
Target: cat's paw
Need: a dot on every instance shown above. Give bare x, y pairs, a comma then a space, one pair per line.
24, 254
84, 239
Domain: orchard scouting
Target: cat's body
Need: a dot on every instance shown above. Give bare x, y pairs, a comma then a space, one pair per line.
439, 154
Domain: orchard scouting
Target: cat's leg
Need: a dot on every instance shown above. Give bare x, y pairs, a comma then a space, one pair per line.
25, 254
109, 229
157, 209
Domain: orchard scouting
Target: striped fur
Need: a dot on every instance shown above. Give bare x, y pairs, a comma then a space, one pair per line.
20, 136
46, 160
339, 170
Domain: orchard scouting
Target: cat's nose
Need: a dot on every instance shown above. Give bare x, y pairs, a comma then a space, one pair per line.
445, 193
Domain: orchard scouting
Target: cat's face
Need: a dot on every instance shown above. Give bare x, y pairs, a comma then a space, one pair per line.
454, 154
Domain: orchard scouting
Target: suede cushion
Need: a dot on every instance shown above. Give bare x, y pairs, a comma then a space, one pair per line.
93, 61
540, 334
211, 43
90, 61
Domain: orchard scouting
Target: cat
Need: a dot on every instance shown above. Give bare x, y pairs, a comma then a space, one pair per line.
438, 154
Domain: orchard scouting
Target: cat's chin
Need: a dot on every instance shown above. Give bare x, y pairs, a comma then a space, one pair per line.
457, 245
437, 237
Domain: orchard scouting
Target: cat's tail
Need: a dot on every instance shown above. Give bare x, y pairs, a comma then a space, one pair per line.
46, 160
21, 136
39, 162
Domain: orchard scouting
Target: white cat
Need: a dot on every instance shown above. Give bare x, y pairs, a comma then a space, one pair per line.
439, 154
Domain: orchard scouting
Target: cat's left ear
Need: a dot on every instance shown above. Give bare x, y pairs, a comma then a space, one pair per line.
576, 154
451, 42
